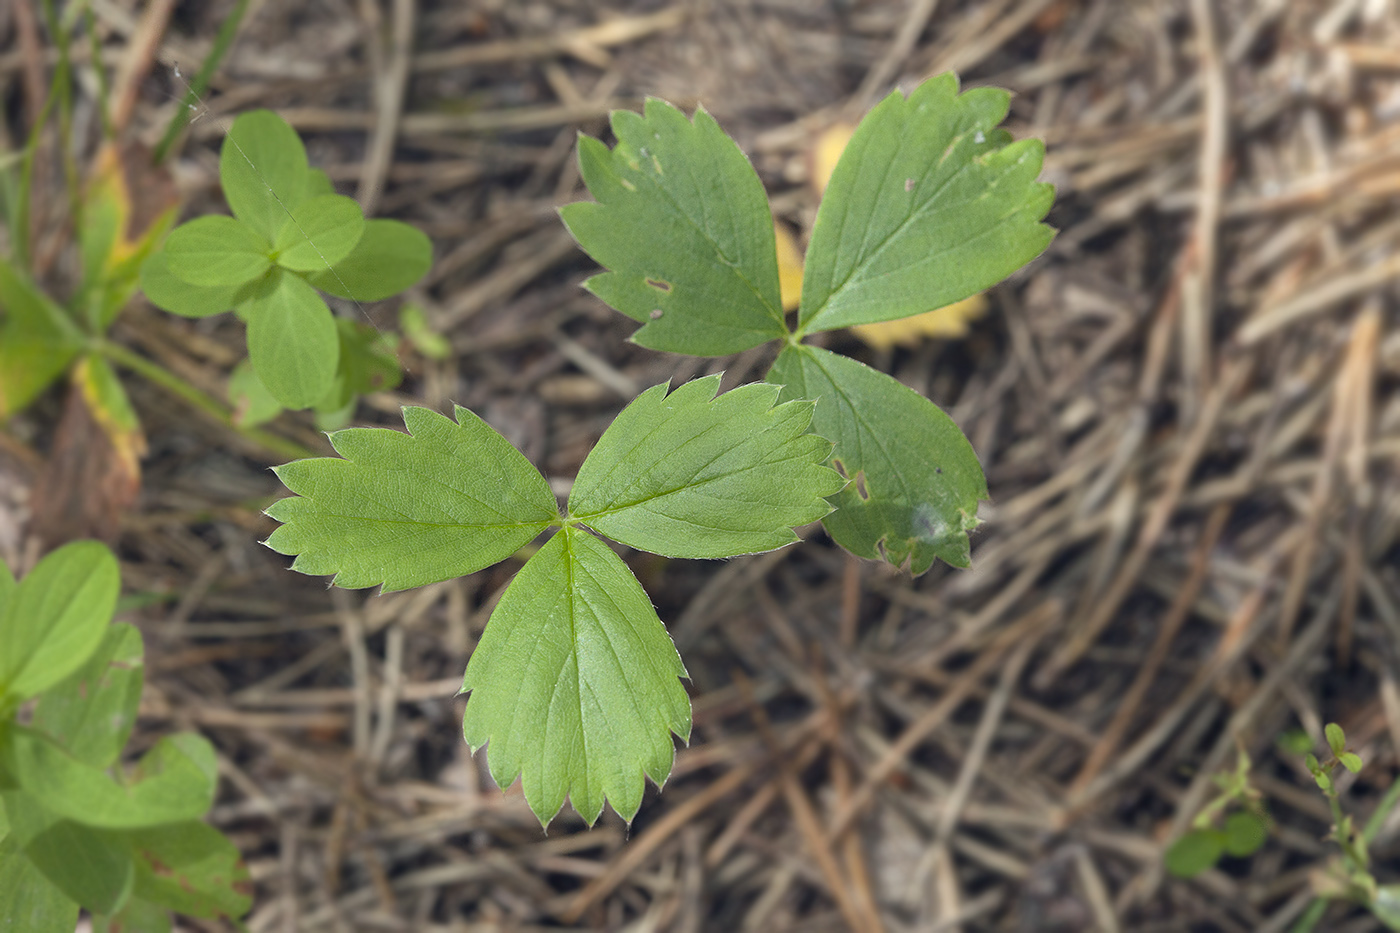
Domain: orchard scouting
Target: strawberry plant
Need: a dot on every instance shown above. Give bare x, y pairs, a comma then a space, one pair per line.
929, 203
77, 828
290, 238
575, 684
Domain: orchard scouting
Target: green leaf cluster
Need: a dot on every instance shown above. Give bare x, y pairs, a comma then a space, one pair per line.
575, 684
1245, 830
76, 828
931, 202
290, 238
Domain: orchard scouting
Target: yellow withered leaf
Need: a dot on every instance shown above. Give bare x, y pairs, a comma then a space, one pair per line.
789, 267
826, 152
948, 321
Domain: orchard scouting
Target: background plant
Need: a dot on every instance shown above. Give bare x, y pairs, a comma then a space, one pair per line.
78, 828
930, 203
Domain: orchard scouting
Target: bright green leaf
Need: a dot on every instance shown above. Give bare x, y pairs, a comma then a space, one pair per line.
428, 342
575, 683
263, 169
402, 510
175, 785
29, 902
1351, 761
37, 340
91, 712
687, 474
169, 293
682, 225
137, 916
930, 203
252, 403
915, 479
1195, 852
292, 341
1336, 738
318, 183
56, 618
86, 864
1245, 832
389, 257
216, 251
319, 233
190, 868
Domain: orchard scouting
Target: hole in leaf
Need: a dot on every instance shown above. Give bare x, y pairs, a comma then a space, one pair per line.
659, 284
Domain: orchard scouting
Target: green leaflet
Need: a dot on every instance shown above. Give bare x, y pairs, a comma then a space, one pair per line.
319, 233
930, 203
389, 257
55, 618
575, 683
682, 224
28, 900
915, 479
403, 510
263, 170
687, 474
216, 251
171, 293
92, 711
37, 340
292, 341
86, 864
189, 867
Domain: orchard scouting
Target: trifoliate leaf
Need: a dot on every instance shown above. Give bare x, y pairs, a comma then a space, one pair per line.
682, 224
216, 250
930, 203
292, 340
170, 293
687, 474
320, 232
402, 510
575, 683
263, 169
55, 618
915, 480
389, 257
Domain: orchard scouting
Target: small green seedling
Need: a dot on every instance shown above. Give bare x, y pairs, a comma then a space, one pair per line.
575, 683
1246, 825
929, 203
77, 828
290, 237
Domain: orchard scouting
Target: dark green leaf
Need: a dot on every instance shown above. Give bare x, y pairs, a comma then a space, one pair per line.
1244, 833
915, 478
216, 251
37, 341
292, 341
687, 474
929, 203
91, 712
575, 683
319, 233
263, 170
389, 257
1195, 852
56, 618
682, 225
403, 510
29, 902
190, 868
367, 364
177, 296
86, 864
